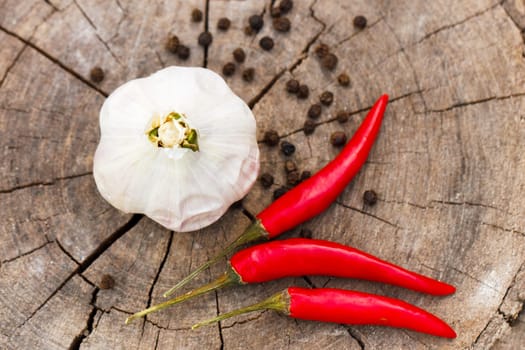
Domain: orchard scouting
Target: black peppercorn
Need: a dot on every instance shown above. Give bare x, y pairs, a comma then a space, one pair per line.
271, 138
266, 180
228, 69
248, 74
343, 79
96, 75
326, 98
360, 22
256, 22
172, 43
275, 11
290, 166
305, 175
309, 127
306, 233
293, 178
342, 116
205, 39
287, 148
329, 61
106, 282
285, 6
183, 52
303, 91
196, 15
279, 192
282, 24
223, 24
322, 50
266, 43
239, 55
370, 197
292, 86
314, 111
338, 139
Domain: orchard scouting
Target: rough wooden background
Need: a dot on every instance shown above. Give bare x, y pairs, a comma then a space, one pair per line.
448, 169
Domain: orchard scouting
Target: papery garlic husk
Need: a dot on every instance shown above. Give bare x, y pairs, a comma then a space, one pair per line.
183, 189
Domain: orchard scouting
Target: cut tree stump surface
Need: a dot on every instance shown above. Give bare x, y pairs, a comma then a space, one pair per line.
448, 168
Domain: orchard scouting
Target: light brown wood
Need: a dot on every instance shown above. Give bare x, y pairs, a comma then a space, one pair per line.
447, 167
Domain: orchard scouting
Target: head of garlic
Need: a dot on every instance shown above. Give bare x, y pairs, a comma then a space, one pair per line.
178, 146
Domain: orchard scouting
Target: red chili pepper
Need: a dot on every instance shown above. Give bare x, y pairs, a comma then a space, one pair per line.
312, 196
347, 307
298, 257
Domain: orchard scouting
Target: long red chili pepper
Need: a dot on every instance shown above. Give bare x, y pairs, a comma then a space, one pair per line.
313, 195
347, 307
299, 257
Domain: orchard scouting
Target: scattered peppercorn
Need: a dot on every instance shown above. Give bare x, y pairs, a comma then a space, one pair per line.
314, 111
287, 148
228, 69
266, 43
239, 55
292, 86
196, 15
285, 6
293, 178
342, 116
279, 192
205, 39
248, 30
282, 24
271, 138
338, 139
172, 43
266, 180
256, 22
329, 61
183, 52
360, 22
96, 74
326, 98
275, 11
370, 197
303, 91
248, 74
223, 24
106, 282
343, 79
305, 175
309, 127
306, 233
290, 166
322, 50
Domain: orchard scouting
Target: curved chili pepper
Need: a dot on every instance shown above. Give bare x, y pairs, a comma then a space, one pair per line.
347, 307
299, 257
310, 197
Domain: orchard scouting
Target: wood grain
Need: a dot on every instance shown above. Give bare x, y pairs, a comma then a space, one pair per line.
447, 167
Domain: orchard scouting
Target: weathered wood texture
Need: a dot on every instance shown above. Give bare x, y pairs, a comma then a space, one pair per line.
448, 168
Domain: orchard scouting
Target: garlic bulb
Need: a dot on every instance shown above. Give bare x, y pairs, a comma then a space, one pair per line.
178, 146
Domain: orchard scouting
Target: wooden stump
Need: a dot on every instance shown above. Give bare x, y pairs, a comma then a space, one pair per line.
447, 167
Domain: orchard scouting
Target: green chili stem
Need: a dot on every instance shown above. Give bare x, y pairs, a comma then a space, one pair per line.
252, 233
226, 279
278, 302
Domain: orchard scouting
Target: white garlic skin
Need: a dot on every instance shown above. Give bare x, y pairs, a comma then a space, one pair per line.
178, 188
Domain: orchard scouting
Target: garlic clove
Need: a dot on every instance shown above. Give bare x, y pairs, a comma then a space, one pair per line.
182, 189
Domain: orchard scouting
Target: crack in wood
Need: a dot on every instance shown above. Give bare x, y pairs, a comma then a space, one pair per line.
219, 326
475, 102
450, 26
56, 62
12, 65
521, 30
369, 214
43, 183
159, 271
77, 341
103, 246
29, 252
206, 26
357, 337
